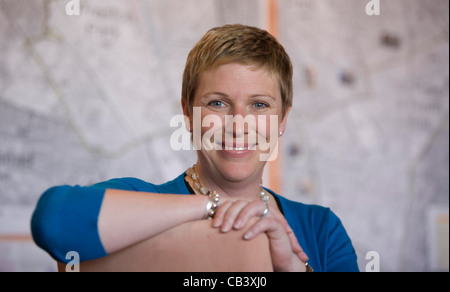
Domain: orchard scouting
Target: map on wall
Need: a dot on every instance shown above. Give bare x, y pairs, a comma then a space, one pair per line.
88, 98
369, 130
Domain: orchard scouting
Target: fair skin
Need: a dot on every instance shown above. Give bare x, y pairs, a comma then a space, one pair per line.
237, 89
146, 218
233, 90
180, 248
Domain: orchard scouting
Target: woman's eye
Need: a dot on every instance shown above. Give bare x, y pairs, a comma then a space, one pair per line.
259, 105
216, 103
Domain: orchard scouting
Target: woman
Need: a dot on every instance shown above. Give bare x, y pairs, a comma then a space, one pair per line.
233, 71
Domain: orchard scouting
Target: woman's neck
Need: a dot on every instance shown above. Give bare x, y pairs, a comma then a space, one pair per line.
248, 188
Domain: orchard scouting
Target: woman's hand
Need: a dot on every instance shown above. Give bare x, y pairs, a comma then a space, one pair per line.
286, 253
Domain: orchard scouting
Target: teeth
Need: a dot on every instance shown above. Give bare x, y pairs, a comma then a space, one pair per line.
236, 148
240, 149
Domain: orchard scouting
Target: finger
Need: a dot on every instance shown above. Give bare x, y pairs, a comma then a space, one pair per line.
296, 248
220, 213
265, 225
303, 257
295, 245
253, 209
294, 242
231, 215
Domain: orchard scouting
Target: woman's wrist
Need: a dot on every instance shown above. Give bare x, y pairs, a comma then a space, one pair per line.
300, 266
212, 204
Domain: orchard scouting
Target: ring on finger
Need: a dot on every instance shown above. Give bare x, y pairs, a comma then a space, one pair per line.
266, 211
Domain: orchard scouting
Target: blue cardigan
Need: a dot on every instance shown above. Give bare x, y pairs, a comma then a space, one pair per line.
65, 219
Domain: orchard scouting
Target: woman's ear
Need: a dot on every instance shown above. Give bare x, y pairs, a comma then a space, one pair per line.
187, 115
283, 122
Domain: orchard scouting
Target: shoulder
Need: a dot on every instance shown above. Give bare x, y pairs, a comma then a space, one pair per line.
319, 221
310, 221
175, 186
313, 214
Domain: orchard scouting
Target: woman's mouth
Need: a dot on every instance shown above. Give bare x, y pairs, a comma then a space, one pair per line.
238, 146
237, 150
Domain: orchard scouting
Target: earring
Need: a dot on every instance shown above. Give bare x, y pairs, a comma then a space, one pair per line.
281, 133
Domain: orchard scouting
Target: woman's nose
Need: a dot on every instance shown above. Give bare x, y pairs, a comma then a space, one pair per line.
239, 122
238, 110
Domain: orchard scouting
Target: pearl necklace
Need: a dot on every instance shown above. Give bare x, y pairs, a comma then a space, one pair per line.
263, 196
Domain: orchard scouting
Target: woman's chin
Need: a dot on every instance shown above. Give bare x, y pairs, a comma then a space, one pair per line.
238, 165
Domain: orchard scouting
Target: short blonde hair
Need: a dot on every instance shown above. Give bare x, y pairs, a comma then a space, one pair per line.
241, 44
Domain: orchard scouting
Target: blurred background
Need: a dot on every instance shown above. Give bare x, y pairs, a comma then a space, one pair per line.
87, 98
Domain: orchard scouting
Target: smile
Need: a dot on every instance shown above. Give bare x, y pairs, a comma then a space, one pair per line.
237, 147
266, 143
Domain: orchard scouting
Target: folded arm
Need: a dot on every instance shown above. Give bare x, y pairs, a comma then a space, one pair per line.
189, 247
96, 222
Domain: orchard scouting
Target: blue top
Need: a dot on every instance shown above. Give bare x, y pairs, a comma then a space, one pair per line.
65, 219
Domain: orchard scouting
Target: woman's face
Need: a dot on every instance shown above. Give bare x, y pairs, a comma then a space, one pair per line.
241, 117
